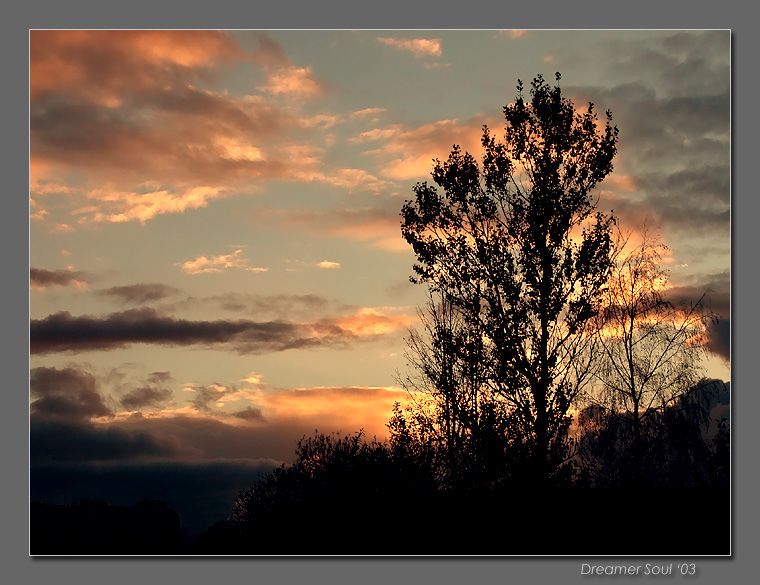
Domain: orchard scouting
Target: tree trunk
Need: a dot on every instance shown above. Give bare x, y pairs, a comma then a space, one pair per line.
636, 444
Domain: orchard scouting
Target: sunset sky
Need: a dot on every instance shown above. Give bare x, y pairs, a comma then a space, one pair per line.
216, 260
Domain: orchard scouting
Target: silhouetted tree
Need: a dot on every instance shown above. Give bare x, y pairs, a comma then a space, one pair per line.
651, 353
517, 248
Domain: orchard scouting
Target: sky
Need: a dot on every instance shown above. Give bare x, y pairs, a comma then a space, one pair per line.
216, 262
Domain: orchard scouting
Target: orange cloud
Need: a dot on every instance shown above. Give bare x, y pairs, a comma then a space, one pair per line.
294, 81
411, 151
368, 112
204, 265
122, 110
144, 206
370, 321
346, 408
101, 65
418, 47
328, 264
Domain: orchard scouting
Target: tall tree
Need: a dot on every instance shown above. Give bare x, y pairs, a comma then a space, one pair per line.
518, 249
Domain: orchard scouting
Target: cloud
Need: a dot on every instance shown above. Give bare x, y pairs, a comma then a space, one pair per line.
715, 292
55, 440
284, 78
366, 112
684, 63
370, 321
193, 145
61, 332
250, 414
673, 148
293, 81
418, 47
69, 393
40, 279
328, 264
145, 206
140, 293
127, 113
146, 396
102, 65
195, 458
379, 227
408, 153
204, 265
126, 107
345, 409
275, 307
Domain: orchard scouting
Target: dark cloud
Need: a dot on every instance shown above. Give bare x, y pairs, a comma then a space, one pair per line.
140, 293
146, 396
665, 133
209, 393
63, 332
707, 185
41, 278
719, 338
683, 63
279, 307
160, 377
68, 393
273, 306
674, 126
713, 289
53, 439
250, 413
270, 53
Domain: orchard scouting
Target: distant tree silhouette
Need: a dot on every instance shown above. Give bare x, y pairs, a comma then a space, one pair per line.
517, 249
651, 351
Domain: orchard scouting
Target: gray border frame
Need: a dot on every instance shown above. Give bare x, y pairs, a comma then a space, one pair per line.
644, 14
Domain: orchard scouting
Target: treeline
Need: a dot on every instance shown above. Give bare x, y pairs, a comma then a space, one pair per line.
346, 494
